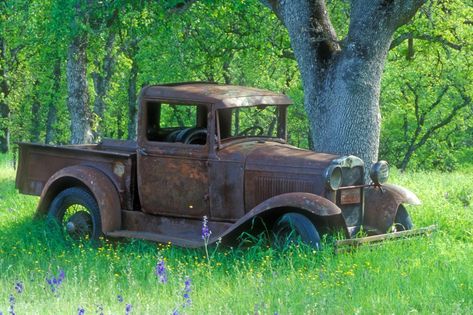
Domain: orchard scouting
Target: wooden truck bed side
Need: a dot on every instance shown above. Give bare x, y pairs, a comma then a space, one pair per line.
117, 159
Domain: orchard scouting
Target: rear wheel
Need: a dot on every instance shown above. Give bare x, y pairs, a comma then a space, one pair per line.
295, 227
77, 213
402, 221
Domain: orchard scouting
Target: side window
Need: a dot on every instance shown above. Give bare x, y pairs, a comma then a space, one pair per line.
180, 123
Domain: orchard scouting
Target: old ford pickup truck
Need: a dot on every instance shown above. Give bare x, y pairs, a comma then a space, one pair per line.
209, 150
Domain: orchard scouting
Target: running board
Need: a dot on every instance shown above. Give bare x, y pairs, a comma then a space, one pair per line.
155, 237
346, 245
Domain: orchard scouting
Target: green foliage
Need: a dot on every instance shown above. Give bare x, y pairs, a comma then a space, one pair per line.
427, 94
423, 275
236, 42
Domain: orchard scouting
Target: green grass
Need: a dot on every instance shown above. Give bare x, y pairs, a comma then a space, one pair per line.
423, 275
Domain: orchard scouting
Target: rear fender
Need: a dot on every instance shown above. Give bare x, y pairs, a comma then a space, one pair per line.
94, 180
381, 206
325, 215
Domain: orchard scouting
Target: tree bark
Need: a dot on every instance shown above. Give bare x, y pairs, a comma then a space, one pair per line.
4, 108
132, 100
35, 128
102, 78
78, 93
52, 109
341, 80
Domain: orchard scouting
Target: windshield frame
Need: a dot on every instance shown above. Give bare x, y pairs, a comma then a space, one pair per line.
281, 128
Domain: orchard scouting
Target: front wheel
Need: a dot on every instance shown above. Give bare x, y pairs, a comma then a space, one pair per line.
294, 227
77, 213
402, 221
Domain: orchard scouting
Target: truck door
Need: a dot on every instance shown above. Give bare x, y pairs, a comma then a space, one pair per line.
173, 174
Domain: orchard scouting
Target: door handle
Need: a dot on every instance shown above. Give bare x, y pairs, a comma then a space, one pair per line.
142, 151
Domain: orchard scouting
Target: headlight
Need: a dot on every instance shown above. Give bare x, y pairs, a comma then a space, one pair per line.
333, 177
379, 172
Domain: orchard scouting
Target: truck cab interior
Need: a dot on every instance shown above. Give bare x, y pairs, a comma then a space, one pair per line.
182, 123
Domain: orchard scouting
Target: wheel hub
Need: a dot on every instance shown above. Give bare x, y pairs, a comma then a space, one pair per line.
79, 225
70, 227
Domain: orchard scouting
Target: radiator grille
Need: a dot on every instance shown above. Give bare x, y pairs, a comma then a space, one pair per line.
352, 176
267, 187
353, 213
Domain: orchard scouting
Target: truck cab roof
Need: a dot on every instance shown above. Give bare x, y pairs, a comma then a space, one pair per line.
222, 96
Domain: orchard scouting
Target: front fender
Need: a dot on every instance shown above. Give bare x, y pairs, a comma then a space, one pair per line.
381, 204
101, 187
325, 215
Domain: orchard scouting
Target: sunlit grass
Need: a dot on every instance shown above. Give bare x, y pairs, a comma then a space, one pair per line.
423, 275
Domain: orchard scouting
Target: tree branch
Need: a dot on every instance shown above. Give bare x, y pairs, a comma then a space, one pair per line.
312, 18
433, 39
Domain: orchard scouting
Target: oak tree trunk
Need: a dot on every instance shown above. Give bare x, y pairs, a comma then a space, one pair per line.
103, 77
4, 108
342, 79
132, 100
52, 109
35, 127
78, 94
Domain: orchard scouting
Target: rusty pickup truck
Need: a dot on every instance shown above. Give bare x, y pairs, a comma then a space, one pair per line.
214, 151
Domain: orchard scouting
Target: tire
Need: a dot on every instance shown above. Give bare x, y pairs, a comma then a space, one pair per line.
77, 213
402, 221
295, 227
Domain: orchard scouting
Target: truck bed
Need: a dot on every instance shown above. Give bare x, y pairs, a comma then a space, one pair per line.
116, 158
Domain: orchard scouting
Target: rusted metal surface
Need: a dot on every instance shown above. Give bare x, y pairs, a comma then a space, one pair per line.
159, 189
178, 231
39, 162
222, 96
173, 185
97, 182
381, 206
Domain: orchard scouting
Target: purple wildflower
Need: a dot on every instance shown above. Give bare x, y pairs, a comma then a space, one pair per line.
11, 309
54, 282
206, 232
19, 287
120, 298
61, 276
175, 312
187, 290
80, 311
128, 309
161, 271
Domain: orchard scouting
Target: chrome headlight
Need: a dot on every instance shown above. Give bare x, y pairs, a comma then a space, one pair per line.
379, 172
333, 177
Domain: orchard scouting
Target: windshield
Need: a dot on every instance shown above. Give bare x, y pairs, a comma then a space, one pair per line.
266, 121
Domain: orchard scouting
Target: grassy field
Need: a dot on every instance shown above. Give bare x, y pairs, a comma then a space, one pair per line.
427, 275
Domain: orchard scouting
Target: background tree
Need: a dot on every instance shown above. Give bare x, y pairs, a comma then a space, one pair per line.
12, 19
132, 44
342, 77
427, 91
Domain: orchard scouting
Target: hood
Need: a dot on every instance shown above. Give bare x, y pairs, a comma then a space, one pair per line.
272, 168
276, 157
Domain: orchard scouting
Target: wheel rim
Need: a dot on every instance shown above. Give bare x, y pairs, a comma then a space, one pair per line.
77, 222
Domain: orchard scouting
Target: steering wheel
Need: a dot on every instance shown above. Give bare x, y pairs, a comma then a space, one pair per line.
255, 130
